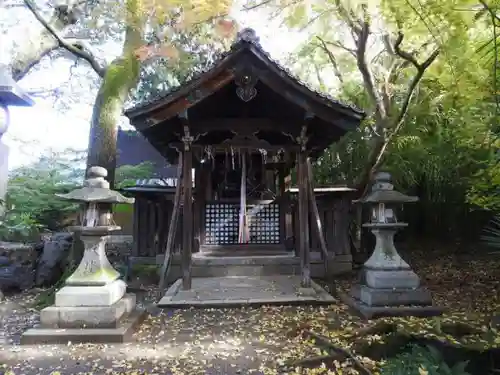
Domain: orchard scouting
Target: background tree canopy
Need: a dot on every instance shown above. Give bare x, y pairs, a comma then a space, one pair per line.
426, 71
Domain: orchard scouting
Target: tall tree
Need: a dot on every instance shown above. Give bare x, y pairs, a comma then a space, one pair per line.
389, 45
122, 74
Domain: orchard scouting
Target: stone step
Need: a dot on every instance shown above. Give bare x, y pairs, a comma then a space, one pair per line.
287, 264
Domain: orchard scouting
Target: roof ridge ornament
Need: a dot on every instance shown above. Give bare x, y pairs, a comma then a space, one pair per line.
248, 35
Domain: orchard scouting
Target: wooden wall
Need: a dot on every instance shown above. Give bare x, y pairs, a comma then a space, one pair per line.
152, 213
334, 212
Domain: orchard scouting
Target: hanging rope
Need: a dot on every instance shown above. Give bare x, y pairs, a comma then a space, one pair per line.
243, 233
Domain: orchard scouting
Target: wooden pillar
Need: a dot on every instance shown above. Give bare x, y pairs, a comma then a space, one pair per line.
304, 250
187, 218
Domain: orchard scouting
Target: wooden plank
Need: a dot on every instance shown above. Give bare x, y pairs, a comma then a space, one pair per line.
172, 229
296, 227
198, 202
330, 227
257, 123
283, 204
187, 222
314, 211
153, 228
135, 230
342, 225
162, 224
186, 102
304, 249
143, 222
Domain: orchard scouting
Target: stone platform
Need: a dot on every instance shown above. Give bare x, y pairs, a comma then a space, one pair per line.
120, 334
374, 312
234, 291
86, 324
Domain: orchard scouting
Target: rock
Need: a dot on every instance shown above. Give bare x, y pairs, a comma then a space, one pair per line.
18, 252
50, 268
16, 266
16, 276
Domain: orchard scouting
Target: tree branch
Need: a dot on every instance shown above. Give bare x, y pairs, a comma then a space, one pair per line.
79, 49
348, 18
378, 152
368, 79
421, 68
329, 53
341, 46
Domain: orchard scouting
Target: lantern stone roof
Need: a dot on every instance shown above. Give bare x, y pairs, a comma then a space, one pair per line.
245, 84
95, 190
383, 191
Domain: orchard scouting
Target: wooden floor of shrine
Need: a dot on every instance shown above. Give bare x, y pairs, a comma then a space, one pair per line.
233, 291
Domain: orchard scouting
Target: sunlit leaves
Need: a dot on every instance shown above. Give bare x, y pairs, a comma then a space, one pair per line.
226, 28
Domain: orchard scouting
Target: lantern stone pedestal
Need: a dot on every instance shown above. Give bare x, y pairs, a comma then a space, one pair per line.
93, 306
388, 286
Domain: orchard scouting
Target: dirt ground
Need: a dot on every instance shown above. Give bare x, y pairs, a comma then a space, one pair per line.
240, 341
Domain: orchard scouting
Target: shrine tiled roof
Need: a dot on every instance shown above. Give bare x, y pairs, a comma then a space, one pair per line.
246, 40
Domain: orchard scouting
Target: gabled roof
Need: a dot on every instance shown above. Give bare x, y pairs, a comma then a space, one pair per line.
247, 42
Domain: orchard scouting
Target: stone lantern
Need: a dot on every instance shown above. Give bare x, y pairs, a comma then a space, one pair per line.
388, 286
93, 305
11, 95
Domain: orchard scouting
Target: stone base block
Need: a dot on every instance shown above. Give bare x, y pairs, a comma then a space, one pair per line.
373, 312
391, 297
388, 279
105, 295
122, 333
87, 316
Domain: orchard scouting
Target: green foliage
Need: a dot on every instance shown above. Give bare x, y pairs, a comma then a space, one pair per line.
126, 175
197, 48
15, 226
122, 70
419, 360
445, 151
32, 205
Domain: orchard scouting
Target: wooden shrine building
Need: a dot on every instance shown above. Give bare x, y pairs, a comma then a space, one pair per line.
243, 126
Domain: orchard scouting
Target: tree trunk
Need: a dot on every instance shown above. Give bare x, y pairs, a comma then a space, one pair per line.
121, 76
36, 47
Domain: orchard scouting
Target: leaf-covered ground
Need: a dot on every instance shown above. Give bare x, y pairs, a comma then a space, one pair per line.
262, 340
